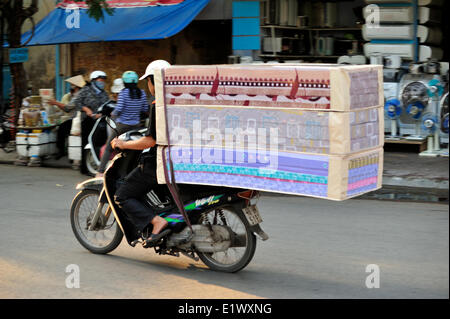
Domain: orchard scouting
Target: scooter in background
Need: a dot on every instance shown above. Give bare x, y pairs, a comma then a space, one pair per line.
97, 138
5, 131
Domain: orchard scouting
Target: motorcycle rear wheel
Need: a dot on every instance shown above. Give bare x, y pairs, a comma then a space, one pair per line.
223, 261
83, 208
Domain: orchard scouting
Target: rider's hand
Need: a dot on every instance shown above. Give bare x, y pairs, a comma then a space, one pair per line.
117, 144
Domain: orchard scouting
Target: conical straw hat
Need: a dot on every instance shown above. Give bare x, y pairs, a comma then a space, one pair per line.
77, 80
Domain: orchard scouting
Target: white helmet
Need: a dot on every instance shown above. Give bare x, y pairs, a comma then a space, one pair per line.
155, 65
97, 74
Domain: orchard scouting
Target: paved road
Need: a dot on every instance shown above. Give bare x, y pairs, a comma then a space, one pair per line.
317, 249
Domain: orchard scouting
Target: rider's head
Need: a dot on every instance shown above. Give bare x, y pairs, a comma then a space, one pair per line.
130, 80
98, 78
130, 77
117, 86
76, 83
150, 72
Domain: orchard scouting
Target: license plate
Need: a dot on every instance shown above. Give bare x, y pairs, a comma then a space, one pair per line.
252, 214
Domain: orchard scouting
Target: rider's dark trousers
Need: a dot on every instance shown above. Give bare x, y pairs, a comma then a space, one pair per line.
129, 196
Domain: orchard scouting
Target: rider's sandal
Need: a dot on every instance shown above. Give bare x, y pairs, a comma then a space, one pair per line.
154, 238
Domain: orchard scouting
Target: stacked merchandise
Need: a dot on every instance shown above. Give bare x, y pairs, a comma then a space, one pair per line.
286, 12
36, 143
34, 140
280, 12
393, 26
312, 129
402, 31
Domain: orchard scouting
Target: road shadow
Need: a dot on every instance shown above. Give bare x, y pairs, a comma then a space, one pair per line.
260, 281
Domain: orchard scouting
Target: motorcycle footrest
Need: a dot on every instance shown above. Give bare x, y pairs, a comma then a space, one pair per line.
151, 243
135, 242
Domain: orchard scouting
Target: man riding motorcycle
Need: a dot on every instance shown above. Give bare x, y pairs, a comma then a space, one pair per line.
143, 179
88, 100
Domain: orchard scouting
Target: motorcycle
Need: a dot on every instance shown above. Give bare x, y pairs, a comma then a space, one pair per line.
97, 138
5, 129
218, 226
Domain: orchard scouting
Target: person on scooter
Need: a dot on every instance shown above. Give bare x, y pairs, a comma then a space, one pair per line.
88, 100
131, 102
115, 90
142, 179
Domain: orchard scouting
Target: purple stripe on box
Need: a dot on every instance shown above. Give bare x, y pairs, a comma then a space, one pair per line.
288, 162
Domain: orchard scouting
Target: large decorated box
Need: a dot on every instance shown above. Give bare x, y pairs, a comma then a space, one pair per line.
326, 176
310, 129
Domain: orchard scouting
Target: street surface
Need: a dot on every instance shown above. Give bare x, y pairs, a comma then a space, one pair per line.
317, 249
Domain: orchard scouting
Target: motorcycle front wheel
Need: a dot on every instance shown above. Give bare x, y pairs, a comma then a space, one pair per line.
106, 235
236, 257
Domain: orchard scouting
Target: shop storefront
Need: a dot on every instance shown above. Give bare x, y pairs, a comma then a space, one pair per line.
137, 32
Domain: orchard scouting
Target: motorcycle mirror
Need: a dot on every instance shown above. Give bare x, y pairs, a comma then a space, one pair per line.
112, 124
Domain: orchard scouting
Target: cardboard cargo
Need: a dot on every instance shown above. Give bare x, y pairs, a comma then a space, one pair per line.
296, 130
335, 177
312, 129
307, 86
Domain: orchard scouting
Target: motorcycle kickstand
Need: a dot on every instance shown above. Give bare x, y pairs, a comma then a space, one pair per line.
190, 255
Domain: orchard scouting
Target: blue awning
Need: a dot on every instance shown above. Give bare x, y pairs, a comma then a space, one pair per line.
145, 23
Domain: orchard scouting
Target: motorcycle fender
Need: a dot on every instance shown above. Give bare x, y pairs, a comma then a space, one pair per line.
88, 146
92, 183
258, 231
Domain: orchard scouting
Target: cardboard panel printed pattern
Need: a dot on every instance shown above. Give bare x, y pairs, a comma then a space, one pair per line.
310, 86
314, 130
331, 177
297, 130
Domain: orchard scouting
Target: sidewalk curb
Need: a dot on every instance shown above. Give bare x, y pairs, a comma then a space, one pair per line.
415, 182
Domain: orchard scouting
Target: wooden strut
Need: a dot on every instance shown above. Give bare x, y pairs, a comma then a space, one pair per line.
171, 183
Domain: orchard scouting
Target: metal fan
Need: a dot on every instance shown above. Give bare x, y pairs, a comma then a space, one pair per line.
393, 110
431, 120
430, 126
415, 99
429, 123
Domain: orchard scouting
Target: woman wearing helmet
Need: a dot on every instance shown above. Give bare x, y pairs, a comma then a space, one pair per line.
88, 100
131, 102
142, 179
